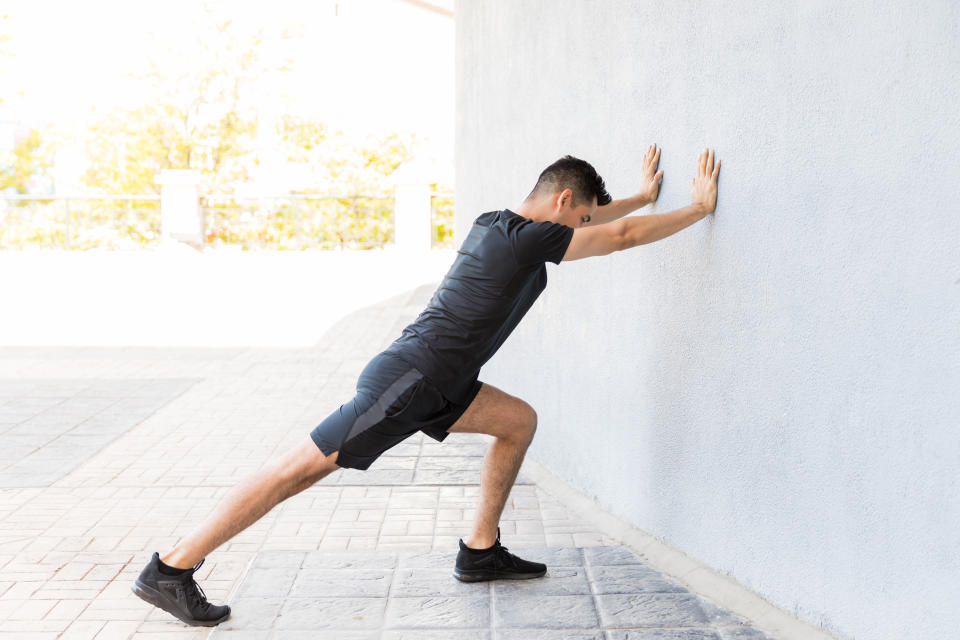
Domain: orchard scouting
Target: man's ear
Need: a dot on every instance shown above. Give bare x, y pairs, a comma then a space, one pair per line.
565, 197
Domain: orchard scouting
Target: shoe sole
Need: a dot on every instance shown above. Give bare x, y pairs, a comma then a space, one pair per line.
151, 595
480, 575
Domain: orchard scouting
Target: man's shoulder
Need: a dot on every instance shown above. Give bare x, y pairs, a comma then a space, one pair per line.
487, 218
495, 232
503, 218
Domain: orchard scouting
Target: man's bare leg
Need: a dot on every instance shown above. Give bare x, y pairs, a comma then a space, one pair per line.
500, 467
513, 423
299, 468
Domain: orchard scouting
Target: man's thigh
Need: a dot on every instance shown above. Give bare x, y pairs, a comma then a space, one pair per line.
496, 413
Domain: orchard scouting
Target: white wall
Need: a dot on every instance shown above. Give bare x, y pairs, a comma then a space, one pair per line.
776, 389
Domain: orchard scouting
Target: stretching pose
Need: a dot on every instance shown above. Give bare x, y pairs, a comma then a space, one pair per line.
427, 379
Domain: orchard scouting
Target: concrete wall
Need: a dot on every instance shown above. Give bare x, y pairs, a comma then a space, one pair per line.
776, 389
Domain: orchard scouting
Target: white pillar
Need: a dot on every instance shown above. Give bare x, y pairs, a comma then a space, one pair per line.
412, 208
180, 212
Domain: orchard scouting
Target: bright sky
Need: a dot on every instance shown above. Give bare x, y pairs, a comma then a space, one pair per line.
363, 65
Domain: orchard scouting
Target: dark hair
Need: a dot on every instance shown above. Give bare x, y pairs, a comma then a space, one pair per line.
574, 174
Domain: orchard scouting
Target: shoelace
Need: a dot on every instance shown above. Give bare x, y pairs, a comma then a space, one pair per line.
194, 591
504, 556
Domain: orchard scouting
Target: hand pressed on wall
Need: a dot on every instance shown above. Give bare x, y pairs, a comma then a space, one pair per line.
649, 176
703, 188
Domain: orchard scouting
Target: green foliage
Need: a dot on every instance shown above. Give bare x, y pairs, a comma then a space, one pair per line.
301, 136
336, 163
80, 224
248, 223
389, 153
201, 116
127, 148
31, 156
300, 223
442, 221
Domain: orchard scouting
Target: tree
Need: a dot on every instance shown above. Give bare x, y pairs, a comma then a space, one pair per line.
332, 163
335, 162
29, 159
201, 117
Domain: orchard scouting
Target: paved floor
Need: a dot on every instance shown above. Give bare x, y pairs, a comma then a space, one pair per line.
50, 427
107, 454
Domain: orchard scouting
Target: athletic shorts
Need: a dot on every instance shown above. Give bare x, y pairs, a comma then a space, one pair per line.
394, 401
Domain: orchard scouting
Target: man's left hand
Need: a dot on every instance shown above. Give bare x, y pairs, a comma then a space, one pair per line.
650, 177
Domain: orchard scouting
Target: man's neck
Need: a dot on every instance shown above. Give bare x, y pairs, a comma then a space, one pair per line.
534, 210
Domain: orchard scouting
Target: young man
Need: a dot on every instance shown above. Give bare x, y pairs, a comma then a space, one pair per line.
427, 379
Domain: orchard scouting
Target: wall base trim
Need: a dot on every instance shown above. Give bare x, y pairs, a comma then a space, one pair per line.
699, 578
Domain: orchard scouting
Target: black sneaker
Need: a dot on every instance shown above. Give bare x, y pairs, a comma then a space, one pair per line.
494, 564
179, 595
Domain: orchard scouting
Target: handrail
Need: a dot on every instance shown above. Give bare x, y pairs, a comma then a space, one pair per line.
289, 219
64, 197
287, 196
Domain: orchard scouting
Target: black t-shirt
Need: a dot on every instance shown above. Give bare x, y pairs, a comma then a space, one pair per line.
496, 277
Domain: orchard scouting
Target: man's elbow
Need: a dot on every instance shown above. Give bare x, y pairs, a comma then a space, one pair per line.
622, 237
601, 240
632, 233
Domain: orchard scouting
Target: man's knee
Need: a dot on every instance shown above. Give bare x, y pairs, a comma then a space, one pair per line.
306, 464
498, 414
321, 466
527, 426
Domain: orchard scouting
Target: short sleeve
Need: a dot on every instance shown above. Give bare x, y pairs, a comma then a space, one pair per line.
536, 242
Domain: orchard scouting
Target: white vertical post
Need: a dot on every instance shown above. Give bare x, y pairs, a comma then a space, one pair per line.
181, 215
412, 209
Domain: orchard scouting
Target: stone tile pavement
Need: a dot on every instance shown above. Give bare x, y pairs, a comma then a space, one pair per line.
50, 427
107, 454
596, 592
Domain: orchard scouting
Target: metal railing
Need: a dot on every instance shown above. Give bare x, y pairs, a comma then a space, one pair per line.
294, 222
299, 221
79, 222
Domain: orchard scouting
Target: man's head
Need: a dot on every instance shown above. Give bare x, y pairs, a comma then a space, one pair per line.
572, 187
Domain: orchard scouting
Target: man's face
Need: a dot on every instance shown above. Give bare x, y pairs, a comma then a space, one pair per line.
569, 215
582, 214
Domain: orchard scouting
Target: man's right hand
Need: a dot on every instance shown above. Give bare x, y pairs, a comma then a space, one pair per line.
703, 188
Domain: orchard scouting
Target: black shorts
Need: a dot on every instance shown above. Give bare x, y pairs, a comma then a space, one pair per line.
394, 401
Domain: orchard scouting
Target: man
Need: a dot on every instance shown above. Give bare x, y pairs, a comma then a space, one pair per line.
427, 379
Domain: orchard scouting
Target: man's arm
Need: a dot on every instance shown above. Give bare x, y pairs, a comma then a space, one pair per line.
617, 209
631, 232
703, 192
649, 190
645, 229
